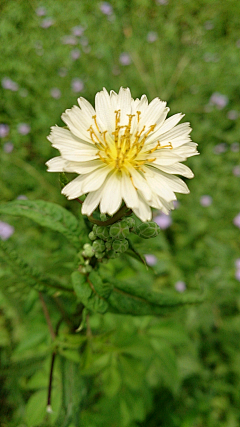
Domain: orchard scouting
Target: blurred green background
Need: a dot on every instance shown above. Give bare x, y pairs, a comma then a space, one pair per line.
184, 52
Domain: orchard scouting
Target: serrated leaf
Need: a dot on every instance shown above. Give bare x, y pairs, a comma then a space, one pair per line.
87, 294
48, 215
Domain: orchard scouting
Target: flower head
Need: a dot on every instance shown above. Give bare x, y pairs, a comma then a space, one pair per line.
125, 151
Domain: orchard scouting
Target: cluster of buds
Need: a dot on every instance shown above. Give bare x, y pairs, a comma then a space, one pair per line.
111, 241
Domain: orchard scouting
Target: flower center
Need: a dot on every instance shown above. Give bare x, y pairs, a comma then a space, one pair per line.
123, 147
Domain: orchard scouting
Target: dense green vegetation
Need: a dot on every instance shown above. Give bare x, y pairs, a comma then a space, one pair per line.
180, 369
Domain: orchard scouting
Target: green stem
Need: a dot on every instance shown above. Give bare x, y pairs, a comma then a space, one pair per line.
123, 211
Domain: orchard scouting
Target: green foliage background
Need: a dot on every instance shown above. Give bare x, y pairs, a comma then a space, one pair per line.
177, 370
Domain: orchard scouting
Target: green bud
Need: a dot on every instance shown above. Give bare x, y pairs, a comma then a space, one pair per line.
120, 245
103, 217
119, 230
94, 228
87, 250
88, 268
63, 179
130, 221
98, 245
102, 232
147, 230
108, 245
113, 254
99, 255
92, 235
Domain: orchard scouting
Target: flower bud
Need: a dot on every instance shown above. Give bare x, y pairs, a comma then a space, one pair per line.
130, 221
147, 230
87, 250
119, 230
92, 235
108, 245
120, 245
99, 255
98, 245
102, 232
113, 254
103, 217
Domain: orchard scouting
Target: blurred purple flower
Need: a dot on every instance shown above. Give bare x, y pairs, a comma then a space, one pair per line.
23, 93
75, 54
69, 40
22, 197
236, 171
78, 31
150, 259
237, 274
6, 230
206, 201
162, 1
164, 221
238, 43
77, 85
237, 263
41, 11
4, 130
235, 147
220, 148
176, 204
180, 286
55, 93
106, 8
8, 147
86, 49
208, 25
47, 22
23, 128
236, 220
232, 115
125, 59
219, 100
152, 37
9, 84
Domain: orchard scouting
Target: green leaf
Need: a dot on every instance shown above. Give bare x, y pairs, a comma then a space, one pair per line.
87, 294
48, 215
36, 408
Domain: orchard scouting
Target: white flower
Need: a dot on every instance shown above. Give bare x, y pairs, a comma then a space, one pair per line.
124, 150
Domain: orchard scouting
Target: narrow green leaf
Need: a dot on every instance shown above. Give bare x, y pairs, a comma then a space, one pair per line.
48, 215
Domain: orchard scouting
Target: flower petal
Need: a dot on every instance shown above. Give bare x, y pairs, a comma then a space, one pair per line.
129, 193
92, 201
104, 110
111, 197
143, 210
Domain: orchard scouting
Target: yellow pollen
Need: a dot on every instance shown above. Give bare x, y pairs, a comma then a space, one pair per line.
124, 146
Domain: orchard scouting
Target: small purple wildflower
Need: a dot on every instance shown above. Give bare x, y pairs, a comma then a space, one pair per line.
47, 22
176, 204
236, 171
4, 130
41, 11
237, 263
235, 146
22, 197
206, 201
238, 43
55, 93
220, 148
77, 85
219, 100
8, 147
236, 220
24, 128
150, 259
9, 84
75, 54
208, 25
106, 8
237, 274
232, 115
71, 40
164, 221
162, 1
6, 230
152, 36
180, 286
78, 31
125, 59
